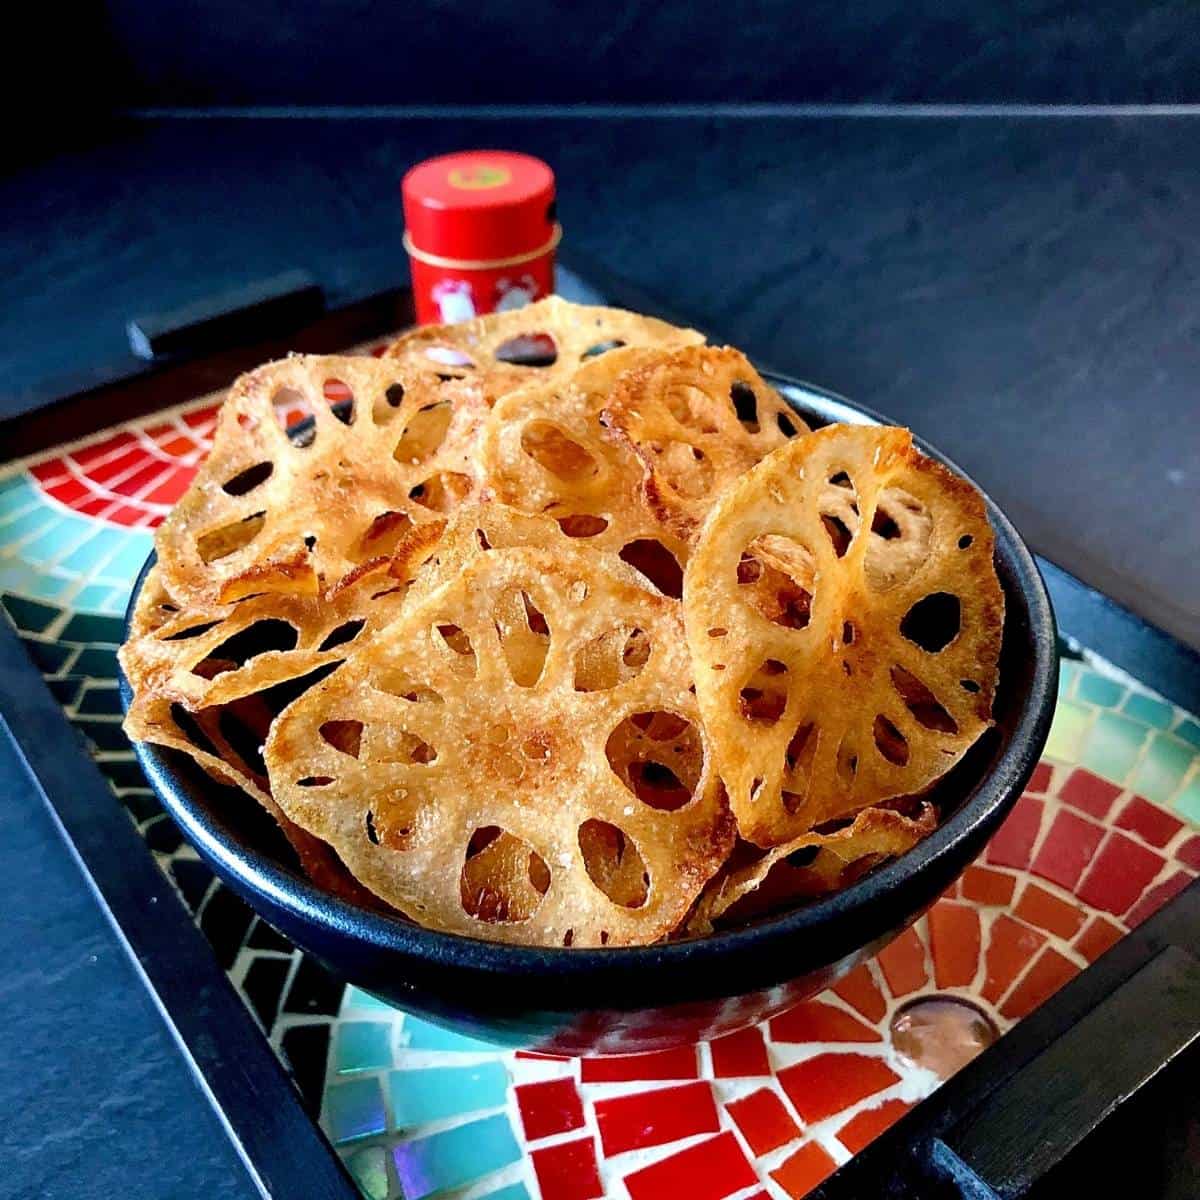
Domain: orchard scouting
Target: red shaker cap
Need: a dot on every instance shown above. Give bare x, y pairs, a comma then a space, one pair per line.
479, 205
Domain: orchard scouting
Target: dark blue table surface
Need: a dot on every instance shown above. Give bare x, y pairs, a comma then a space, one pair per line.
1021, 291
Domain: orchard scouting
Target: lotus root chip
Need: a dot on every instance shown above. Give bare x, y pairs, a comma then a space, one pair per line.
697, 418
545, 342
488, 791
806, 867
845, 618
269, 512
547, 450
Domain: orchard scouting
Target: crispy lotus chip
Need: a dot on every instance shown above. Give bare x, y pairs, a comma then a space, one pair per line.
698, 419
811, 865
271, 513
845, 619
544, 342
518, 757
546, 450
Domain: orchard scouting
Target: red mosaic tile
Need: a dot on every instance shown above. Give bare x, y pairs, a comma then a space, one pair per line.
677, 1063
860, 991
1089, 792
1157, 896
121, 465
201, 416
140, 480
158, 433
550, 1106
68, 491
1120, 874
541, 1057
951, 893
49, 471
1067, 848
738, 1054
814, 1021
178, 447
985, 886
154, 520
568, 1171
903, 964
765, 1123
1149, 821
102, 449
1189, 853
830, 1083
953, 943
1043, 979
802, 1171
709, 1170
336, 392
656, 1117
1038, 907
1011, 945
93, 508
860, 1131
1099, 936
1039, 781
127, 514
1013, 843
175, 484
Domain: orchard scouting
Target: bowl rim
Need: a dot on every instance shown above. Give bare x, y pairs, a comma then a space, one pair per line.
858, 905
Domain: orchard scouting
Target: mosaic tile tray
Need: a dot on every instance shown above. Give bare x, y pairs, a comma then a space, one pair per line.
1108, 831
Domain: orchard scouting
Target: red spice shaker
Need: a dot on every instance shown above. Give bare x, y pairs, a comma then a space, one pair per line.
480, 233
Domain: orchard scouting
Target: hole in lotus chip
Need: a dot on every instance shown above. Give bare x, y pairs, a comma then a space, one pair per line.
775, 576
449, 356
691, 407
503, 878
193, 631
602, 348
528, 350
524, 636
611, 659
383, 535
890, 742
340, 396
786, 425
396, 682
442, 492
764, 695
933, 623
247, 480
614, 864
649, 557
582, 525
262, 637
346, 632
458, 646
394, 745
424, 434
557, 452
922, 703
745, 404
229, 539
345, 736
658, 756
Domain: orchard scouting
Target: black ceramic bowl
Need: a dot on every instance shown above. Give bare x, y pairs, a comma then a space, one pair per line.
623, 1000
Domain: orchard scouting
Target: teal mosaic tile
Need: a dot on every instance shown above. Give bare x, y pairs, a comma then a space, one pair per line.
97, 662
29, 615
124, 566
1161, 772
100, 701
51, 587
354, 1110
421, 1035
104, 735
1068, 730
66, 691
363, 1046
1096, 689
1189, 730
357, 998
368, 1166
92, 627
454, 1157
57, 540
1188, 801
117, 601
515, 1191
92, 598
1150, 709
422, 1095
99, 548
1113, 745
18, 576
17, 495
22, 526
50, 657
1068, 672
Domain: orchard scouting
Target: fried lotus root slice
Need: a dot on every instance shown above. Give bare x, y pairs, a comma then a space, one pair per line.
473, 726
544, 342
211, 654
698, 419
273, 513
809, 866
547, 450
835, 666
